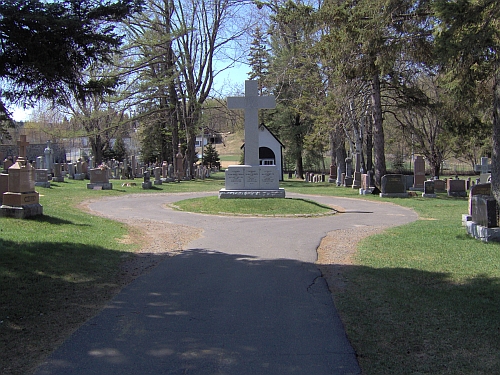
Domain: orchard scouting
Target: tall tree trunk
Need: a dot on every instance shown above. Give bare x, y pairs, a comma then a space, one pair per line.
96, 145
378, 131
495, 156
369, 145
299, 145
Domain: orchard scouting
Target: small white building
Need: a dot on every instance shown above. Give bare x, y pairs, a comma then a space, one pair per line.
270, 149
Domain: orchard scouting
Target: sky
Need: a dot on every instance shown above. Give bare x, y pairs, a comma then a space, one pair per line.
236, 76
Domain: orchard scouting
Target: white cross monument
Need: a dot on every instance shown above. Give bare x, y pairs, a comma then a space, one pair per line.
251, 180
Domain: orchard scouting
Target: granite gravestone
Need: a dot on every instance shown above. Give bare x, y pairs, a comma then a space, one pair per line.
393, 186
356, 182
147, 180
484, 170
42, 178
418, 173
251, 180
456, 188
157, 174
429, 191
58, 176
99, 179
21, 200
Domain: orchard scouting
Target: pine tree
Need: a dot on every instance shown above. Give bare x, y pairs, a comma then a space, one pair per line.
210, 156
259, 59
467, 42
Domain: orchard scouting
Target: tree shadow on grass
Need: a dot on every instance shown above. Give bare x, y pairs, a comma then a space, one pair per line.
47, 290
408, 321
235, 314
54, 220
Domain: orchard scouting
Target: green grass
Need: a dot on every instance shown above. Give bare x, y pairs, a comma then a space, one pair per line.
229, 157
423, 298
267, 207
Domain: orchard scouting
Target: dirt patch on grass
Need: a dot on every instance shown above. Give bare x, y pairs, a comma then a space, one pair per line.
337, 249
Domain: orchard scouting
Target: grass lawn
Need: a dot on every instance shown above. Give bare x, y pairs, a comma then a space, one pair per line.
423, 298
419, 299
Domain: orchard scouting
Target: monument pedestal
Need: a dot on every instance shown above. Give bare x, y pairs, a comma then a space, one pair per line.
248, 194
247, 182
21, 200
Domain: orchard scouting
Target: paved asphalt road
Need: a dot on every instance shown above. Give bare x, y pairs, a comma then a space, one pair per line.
245, 298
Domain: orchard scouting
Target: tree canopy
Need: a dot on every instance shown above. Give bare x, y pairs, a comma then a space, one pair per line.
46, 45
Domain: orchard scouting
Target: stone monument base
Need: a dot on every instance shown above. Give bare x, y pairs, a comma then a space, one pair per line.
251, 194
100, 186
482, 233
147, 185
21, 212
58, 179
366, 191
43, 184
157, 182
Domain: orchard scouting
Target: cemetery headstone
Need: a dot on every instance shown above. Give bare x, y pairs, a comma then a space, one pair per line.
252, 180
79, 174
333, 174
99, 179
439, 186
479, 189
429, 190
42, 178
356, 182
484, 170
367, 184
147, 180
418, 173
47, 157
7, 163
58, 175
157, 173
4, 184
21, 200
85, 169
482, 219
456, 188
71, 170
40, 163
179, 165
393, 186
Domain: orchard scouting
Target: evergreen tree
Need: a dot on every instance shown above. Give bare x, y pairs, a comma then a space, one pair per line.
467, 44
45, 45
364, 39
259, 59
119, 148
210, 156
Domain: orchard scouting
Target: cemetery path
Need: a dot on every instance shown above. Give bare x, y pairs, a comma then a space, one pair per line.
244, 298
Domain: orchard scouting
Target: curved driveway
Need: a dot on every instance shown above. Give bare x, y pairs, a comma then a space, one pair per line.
245, 298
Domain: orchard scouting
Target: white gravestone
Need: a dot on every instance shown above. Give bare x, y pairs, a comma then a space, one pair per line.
252, 180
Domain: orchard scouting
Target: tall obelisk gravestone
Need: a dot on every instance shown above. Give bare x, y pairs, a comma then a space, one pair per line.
252, 180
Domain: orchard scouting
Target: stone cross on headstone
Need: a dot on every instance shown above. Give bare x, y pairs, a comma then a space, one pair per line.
484, 168
23, 145
251, 103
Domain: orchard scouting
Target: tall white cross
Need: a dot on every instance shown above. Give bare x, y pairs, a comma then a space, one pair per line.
251, 103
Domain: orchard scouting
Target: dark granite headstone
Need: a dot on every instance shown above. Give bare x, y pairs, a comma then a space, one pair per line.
484, 211
429, 190
393, 185
456, 188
